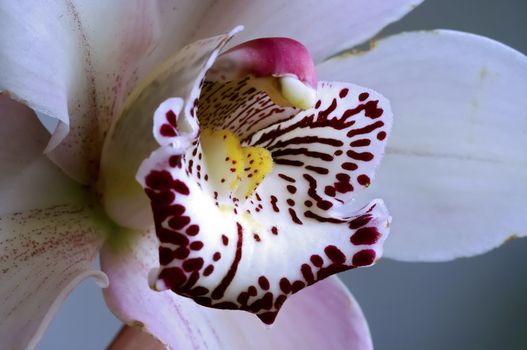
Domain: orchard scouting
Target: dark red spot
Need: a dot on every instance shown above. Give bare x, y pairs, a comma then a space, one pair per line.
174, 161
365, 235
285, 285
349, 166
181, 253
359, 221
173, 277
178, 222
360, 143
274, 230
335, 254
167, 131
263, 282
317, 260
208, 270
307, 273
364, 156
297, 285
381, 136
324, 205
267, 317
197, 245
363, 96
225, 240
330, 191
343, 93
364, 180
171, 118
364, 258
252, 291
256, 237
291, 189
165, 255
290, 202
192, 230
216, 256
193, 264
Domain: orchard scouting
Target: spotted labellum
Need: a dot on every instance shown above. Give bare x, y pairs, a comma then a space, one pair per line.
252, 183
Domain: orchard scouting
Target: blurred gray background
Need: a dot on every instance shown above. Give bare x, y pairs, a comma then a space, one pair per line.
477, 303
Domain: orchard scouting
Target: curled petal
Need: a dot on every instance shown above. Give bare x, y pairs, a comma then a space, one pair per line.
129, 140
221, 249
455, 170
325, 27
79, 74
28, 180
44, 254
324, 316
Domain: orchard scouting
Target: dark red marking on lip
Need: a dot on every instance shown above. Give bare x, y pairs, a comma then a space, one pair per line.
294, 217
317, 260
317, 169
360, 143
335, 254
363, 156
287, 178
364, 180
360, 221
381, 135
291, 189
173, 277
365, 235
225, 240
193, 264
167, 131
285, 285
219, 291
263, 282
309, 214
363, 96
273, 203
192, 230
364, 258
343, 93
208, 270
307, 273
365, 130
349, 166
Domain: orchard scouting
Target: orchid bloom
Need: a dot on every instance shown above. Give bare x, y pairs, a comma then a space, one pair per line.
229, 170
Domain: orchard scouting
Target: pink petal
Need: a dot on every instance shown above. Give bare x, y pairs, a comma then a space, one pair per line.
230, 252
44, 254
132, 338
267, 57
455, 170
324, 316
28, 179
324, 27
129, 141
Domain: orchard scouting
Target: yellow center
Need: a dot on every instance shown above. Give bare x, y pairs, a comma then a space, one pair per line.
232, 167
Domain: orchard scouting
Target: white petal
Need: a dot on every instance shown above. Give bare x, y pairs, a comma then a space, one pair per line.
28, 180
324, 316
324, 27
44, 254
76, 61
232, 253
456, 168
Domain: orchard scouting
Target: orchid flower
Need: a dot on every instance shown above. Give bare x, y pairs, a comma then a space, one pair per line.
228, 172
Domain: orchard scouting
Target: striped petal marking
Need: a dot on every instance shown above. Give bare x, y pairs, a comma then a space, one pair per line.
259, 204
